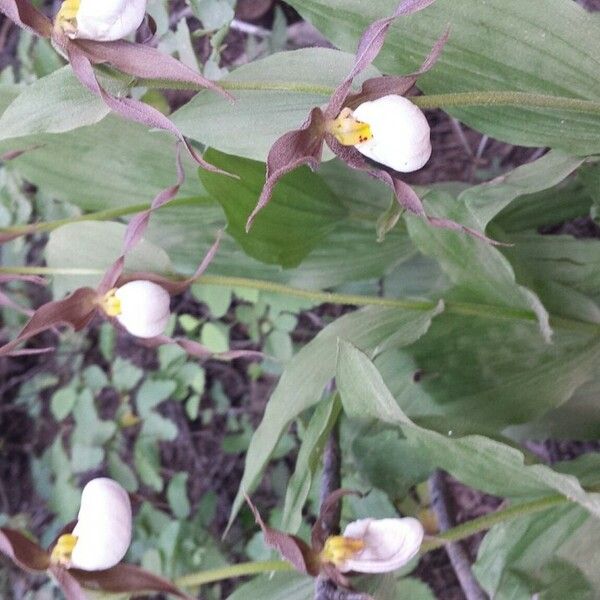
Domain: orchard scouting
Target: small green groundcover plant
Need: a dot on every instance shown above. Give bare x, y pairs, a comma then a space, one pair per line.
474, 331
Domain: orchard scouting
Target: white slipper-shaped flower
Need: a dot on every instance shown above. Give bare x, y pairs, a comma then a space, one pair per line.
400, 133
102, 534
100, 20
142, 307
374, 545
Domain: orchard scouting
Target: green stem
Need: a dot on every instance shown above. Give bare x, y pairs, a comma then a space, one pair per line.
520, 99
241, 570
450, 100
319, 297
101, 215
469, 528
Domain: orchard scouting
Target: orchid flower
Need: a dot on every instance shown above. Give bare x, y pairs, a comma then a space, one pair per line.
374, 545
366, 546
138, 301
89, 554
374, 123
101, 21
102, 534
142, 307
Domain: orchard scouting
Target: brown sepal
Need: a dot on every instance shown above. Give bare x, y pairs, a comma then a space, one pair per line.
368, 48
173, 286
123, 578
129, 108
200, 351
302, 146
67, 583
291, 547
318, 533
27, 16
75, 311
146, 62
22, 551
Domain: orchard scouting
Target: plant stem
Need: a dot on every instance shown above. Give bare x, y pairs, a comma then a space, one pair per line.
101, 215
522, 99
456, 99
451, 535
487, 521
240, 570
486, 311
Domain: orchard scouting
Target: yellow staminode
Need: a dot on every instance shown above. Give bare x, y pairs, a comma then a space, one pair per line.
65, 18
110, 304
338, 549
61, 553
347, 130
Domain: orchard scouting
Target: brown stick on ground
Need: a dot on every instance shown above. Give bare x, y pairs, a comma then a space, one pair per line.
455, 550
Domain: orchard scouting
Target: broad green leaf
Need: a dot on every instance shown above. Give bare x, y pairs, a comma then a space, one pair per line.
540, 46
390, 462
306, 375
112, 164
513, 554
7, 94
485, 374
478, 269
302, 211
272, 96
309, 457
578, 418
564, 202
485, 201
278, 586
475, 460
53, 104
562, 259
93, 245
544, 553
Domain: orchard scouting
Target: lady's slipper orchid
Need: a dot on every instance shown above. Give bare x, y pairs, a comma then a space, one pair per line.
374, 545
102, 534
89, 557
103, 21
367, 545
399, 133
142, 307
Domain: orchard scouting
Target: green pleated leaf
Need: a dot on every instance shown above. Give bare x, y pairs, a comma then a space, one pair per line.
52, 104
302, 211
478, 461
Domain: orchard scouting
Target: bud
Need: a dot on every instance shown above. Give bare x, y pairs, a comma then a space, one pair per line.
142, 307
102, 534
374, 545
101, 20
399, 133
